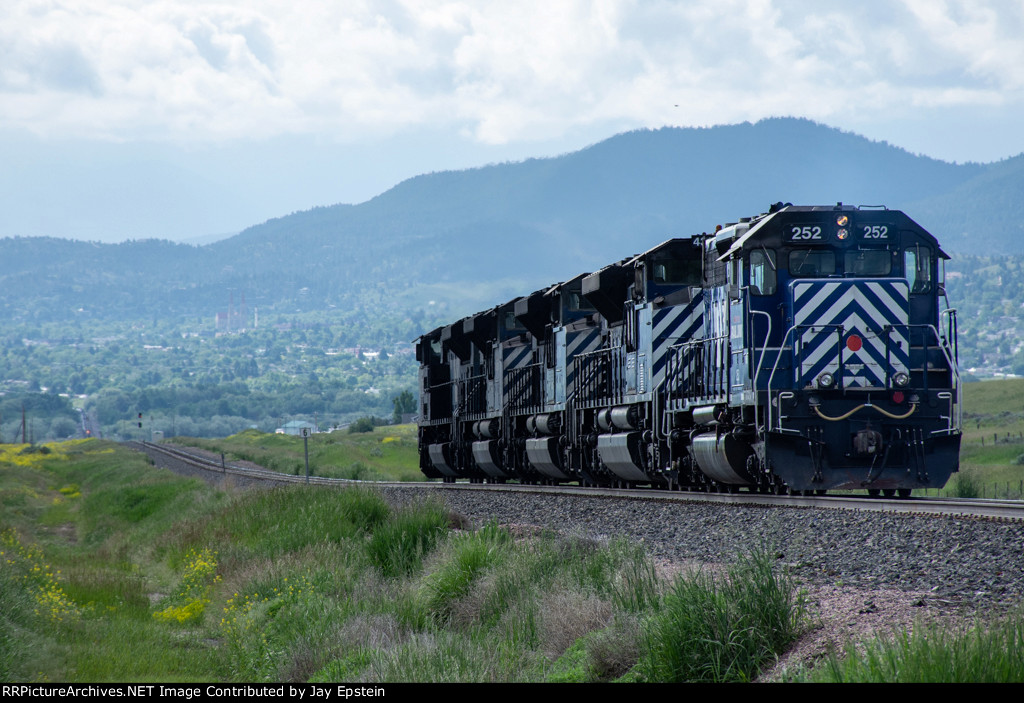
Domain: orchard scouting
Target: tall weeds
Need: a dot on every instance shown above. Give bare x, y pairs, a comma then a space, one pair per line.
718, 631
985, 654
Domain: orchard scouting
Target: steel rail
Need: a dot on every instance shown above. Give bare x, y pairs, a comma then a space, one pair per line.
973, 507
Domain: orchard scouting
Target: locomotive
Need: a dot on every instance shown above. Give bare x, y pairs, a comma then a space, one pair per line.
807, 349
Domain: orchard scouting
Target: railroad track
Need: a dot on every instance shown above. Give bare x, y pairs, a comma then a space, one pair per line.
178, 459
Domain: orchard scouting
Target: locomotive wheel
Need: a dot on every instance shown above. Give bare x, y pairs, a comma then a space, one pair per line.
905, 492
874, 493
888, 492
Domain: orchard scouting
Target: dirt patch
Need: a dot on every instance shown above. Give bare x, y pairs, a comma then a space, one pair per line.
839, 615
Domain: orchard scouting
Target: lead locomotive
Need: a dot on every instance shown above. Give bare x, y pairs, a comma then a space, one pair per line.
804, 349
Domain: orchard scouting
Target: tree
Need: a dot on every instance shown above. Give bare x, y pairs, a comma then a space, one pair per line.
405, 402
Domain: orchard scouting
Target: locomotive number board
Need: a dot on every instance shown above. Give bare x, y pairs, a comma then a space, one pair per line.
831, 232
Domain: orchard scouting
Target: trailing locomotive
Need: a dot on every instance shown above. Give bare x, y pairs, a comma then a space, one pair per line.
806, 349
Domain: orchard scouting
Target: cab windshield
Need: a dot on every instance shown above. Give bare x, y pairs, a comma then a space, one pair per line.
811, 263
869, 262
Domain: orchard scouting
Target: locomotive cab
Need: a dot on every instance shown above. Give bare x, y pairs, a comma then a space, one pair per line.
856, 379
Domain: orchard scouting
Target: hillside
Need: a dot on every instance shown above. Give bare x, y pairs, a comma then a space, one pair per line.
133, 326
479, 236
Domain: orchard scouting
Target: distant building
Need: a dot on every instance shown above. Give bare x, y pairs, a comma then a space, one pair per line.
235, 319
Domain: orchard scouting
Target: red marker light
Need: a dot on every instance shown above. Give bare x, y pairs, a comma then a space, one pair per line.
854, 343
897, 397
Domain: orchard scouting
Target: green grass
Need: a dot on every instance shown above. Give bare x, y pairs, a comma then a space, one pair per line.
300, 583
106, 555
387, 453
722, 631
85, 556
398, 546
992, 653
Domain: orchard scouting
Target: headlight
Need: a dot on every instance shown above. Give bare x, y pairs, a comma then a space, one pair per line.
901, 379
826, 380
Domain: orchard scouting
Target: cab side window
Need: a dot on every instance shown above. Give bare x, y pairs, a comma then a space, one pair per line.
762, 272
917, 267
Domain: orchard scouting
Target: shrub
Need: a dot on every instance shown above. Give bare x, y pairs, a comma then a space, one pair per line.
967, 485
714, 632
469, 555
397, 548
366, 424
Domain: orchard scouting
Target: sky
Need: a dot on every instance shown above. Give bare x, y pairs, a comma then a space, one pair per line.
130, 119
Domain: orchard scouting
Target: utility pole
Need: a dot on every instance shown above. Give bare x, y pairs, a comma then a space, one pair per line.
305, 447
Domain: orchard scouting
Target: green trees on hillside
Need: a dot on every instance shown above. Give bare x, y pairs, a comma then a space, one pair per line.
405, 402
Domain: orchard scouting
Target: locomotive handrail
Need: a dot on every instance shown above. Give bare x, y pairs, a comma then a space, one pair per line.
473, 394
712, 373
655, 406
771, 377
951, 333
760, 361
451, 400
955, 418
525, 381
887, 332
957, 410
592, 364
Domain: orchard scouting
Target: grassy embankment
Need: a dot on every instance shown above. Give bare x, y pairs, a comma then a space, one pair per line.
992, 453
387, 453
113, 570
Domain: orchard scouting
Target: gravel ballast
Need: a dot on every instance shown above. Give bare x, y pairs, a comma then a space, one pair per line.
965, 561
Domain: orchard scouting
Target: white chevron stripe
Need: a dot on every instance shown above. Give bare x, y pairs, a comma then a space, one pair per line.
666, 319
895, 307
822, 292
583, 342
897, 303
842, 305
823, 343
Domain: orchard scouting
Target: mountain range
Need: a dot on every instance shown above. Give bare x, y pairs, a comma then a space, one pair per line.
473, 238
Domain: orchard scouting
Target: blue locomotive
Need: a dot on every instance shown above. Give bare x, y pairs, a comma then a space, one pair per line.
806, 349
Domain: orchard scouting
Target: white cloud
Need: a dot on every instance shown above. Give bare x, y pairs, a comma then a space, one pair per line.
500, 72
